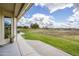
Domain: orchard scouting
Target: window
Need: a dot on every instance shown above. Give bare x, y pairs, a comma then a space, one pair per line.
7, 27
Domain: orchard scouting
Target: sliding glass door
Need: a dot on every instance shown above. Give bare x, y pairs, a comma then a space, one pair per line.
7, 27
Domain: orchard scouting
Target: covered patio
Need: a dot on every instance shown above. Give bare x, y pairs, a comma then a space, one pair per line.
18, 48
10, 13
11, 43
9, 46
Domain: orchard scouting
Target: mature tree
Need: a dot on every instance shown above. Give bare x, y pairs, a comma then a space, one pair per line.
25, 27
35, 26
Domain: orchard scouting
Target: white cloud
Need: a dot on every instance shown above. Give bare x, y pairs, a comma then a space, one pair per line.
76, 11
42, 20
23, 22
75, 15
41, 4
55, 6
71, 19
76, 6
74, 19
47, 21
61, 25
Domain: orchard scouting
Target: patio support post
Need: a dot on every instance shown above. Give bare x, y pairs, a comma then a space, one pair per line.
13, 31
15, 28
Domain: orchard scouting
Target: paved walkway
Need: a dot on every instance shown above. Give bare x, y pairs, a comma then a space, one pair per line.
45, 49
22, 47
25, 48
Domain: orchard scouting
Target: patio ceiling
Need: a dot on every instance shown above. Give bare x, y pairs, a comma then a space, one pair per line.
15, 9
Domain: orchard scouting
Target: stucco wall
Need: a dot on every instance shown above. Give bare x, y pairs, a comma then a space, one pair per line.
1, 28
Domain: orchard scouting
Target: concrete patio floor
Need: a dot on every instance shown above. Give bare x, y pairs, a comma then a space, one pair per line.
18, 48
22, 47
9, 50
45, 49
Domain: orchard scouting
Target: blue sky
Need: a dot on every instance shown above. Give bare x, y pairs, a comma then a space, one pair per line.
36, 9
58, 13
62, 15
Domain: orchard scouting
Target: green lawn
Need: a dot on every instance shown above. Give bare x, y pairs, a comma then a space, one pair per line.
67, 43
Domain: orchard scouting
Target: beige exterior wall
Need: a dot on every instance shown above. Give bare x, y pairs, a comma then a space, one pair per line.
1, 41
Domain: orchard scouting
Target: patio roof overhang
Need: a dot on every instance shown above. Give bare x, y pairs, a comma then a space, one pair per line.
15, 9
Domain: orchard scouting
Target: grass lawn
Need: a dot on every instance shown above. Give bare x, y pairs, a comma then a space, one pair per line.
66, 42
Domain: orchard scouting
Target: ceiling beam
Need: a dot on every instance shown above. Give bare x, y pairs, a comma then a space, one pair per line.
24, 8
17, 8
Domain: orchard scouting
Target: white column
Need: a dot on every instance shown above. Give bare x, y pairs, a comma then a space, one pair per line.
12, 30
15, 28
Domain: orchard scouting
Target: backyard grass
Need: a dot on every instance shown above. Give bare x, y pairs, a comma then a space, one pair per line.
66, 41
